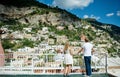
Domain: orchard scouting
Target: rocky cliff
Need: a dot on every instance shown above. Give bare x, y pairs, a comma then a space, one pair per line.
35, 15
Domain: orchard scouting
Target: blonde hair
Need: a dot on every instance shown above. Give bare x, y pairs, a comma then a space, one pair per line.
66, 46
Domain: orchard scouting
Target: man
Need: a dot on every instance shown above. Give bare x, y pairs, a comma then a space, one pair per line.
88, 50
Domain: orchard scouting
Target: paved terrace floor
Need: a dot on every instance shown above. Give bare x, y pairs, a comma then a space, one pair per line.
58, 75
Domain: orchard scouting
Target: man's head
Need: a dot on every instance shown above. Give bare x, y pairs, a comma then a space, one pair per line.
86, 40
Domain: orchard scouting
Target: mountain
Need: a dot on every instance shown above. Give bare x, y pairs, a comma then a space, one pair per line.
28, 23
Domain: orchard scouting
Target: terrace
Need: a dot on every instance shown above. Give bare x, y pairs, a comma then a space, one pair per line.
44, 65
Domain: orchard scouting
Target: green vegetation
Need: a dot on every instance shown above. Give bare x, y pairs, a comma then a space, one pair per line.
1, 24
10, 22
71, 34
7, 44
17, 27
20, 3
26, 42
112, 51
40, 11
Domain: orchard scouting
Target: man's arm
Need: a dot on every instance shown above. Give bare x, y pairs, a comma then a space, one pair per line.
93, 50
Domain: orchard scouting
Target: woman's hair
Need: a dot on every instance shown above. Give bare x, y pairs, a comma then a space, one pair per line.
66, 46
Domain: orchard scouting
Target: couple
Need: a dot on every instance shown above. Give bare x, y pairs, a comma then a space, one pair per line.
87, 49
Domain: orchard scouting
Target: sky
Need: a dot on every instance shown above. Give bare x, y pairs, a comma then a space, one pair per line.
105, 11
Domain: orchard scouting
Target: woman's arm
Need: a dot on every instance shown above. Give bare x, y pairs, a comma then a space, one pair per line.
80, 50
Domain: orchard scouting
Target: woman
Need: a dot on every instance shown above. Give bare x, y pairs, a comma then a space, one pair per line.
68, 59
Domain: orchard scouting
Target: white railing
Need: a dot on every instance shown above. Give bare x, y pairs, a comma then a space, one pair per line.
39, 64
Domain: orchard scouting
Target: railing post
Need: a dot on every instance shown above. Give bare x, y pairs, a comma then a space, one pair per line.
32, 64
106, 65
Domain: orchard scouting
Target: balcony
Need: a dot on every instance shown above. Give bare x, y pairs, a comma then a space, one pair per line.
36, 64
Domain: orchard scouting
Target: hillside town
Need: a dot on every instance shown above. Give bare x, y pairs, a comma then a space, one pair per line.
44, 36
42, 55
48, 45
